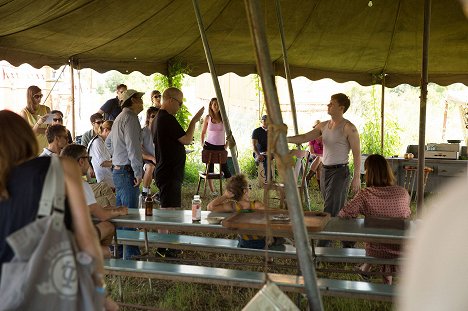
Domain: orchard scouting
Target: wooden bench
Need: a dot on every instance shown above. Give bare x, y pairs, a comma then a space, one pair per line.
219, 245
250, 279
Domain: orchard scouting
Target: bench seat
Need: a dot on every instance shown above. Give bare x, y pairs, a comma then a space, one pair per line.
219, 245
251, 279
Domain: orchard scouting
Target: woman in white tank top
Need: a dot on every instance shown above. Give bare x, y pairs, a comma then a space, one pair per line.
213, 137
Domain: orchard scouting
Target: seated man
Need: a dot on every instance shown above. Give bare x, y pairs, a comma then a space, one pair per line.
104, 228
57, 139
58, 119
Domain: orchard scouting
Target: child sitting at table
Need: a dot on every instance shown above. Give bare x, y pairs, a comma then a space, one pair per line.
236, 199
380, 198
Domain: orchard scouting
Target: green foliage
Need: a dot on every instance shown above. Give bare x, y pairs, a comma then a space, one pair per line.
193, 164
175, 78
247, 164
370, 133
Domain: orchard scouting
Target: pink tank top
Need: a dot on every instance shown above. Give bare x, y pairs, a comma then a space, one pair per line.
335, 145
215, 133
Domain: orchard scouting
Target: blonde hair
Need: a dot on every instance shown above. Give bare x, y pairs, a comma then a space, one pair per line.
17, 145
106, 125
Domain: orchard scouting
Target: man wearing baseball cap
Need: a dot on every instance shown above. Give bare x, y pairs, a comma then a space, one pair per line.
127, 160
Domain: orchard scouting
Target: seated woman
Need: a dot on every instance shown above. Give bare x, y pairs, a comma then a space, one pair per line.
236, 199
380, 198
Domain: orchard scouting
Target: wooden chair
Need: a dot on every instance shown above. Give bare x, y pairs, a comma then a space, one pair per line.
212, 157
300, 172
411, 173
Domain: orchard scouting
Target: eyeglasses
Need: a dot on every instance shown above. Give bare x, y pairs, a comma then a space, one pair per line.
98, 122
180, 103
38, 96
157, 96
86, 157
152, 116
58, 120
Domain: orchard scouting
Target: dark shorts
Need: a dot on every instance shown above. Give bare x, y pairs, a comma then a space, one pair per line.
170, 194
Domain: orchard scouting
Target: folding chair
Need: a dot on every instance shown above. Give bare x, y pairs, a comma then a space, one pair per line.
212, 157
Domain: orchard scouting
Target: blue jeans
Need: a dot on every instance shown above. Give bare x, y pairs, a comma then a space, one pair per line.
126, 194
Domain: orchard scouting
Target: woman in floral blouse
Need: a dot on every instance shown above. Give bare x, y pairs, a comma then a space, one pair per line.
380, 198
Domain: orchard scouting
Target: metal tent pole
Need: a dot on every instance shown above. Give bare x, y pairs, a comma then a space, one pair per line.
279, 16
265, 68
382, 116
219, 95
422, 108
72, 81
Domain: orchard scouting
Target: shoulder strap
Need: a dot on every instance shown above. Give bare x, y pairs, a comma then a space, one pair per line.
90, 143
53, 190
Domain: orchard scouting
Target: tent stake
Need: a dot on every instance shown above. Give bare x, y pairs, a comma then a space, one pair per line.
265, 68
219, 95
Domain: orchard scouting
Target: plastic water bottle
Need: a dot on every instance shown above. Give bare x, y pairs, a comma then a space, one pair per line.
196, 208
141, 200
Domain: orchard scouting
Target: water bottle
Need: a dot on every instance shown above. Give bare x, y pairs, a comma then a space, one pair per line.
141, 200
149, 206
196, 208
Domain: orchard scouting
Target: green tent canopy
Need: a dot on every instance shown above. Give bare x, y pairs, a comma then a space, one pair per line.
345, 40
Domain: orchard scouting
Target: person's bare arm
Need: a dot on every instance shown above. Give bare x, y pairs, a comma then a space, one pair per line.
188, 137
306, 137
106, 164
353, 139
104, 214
84, 232
203, 132
258, 156
222, 203
100, 111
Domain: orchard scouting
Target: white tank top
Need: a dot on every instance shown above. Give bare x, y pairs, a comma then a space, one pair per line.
335, 145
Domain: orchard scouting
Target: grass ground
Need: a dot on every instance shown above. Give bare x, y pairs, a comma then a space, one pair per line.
166, 295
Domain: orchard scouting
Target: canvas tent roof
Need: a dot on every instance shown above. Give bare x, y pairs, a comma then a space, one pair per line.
339, 39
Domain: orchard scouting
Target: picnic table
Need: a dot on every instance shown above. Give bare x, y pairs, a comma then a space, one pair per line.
335, 229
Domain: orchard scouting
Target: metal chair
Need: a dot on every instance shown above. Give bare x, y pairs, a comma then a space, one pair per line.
212, 157
300, 172
411, 173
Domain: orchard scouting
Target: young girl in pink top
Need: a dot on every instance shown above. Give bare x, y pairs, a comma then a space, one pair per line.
380, 198
213, 137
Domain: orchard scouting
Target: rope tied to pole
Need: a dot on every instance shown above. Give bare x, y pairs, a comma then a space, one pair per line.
274, 131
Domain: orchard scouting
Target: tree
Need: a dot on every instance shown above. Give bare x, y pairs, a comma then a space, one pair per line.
175, 78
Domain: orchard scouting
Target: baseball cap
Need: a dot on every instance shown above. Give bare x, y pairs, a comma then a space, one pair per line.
129, 93
264, 117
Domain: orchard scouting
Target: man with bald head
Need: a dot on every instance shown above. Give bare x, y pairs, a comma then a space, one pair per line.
169, 140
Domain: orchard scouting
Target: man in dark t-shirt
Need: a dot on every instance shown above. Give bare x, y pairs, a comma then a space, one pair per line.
169, 139
260, 143
111, 108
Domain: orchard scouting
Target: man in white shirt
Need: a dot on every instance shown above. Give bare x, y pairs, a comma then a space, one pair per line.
104, 228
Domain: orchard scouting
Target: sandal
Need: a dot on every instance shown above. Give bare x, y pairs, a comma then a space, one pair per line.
363, 275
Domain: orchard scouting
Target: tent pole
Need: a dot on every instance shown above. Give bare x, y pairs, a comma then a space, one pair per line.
382, 116
72, 81
265, 68
219, 95
279, 16
422, 108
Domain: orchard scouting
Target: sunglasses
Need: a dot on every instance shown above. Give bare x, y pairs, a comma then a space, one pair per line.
37, 96
58, 120
156, 96
178, 101
86, 157
98, 122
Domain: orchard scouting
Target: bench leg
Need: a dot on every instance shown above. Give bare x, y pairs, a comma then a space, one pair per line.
199, 182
